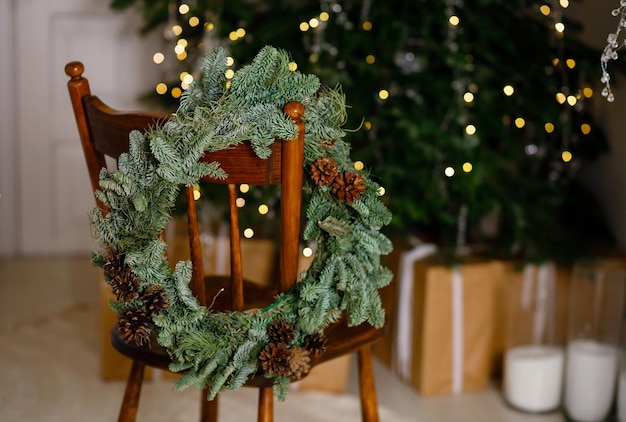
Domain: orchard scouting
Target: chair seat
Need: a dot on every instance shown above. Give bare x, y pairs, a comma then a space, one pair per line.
342, 339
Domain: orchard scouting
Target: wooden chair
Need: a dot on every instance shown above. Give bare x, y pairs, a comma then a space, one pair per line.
104, 132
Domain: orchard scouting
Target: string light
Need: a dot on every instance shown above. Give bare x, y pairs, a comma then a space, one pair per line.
610, 51
161, 88
183, 9
248, 233
520, 122
383, 94
367, 26
470, 130
307, 252
358, 165
508, 90
467, 167
381, 191
566, 156
158, 58
585, 128
196, 192
263, 209
244, 188
370, 59
449, 171
240, 202
549, 127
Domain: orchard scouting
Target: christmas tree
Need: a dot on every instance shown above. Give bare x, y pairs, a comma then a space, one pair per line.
474, 115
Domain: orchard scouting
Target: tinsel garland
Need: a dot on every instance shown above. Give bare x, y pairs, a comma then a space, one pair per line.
221, 350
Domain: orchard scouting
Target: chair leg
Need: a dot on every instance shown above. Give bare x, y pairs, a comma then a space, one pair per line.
266, 404
369, 405
128, 411
208, 408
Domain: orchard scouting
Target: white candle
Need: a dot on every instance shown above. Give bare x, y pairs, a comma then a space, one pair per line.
591, 369
533, 377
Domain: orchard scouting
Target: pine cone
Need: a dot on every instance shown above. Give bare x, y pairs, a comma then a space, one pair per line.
327, 143
123, 282
134, 326
323, 171
113, 264
275, 359
125, 286
348, 186
281, 332
299, 363
316, 344
154, 299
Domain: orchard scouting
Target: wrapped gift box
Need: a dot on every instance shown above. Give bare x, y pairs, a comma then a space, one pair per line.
441, 322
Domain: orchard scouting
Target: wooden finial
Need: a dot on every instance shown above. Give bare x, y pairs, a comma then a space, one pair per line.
294, 109
74, 70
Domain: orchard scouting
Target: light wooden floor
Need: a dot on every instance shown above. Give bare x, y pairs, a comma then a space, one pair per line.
38, 288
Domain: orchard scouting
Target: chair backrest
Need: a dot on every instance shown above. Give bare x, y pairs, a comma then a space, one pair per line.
104, 132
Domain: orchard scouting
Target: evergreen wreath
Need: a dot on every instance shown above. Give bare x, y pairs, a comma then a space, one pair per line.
221, 350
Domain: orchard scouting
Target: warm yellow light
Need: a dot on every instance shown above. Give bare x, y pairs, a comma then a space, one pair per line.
304, 26
560, 27
324, 16
549, 127
176, 92
555, 61
545, 9
230, 61
307, 252
229, 73
587, 92
564, 3
188, 79
183, 8
566, 156
470, 129
293, 66
585, 128
241, 32
508, 90
520, 122
468, 97
571, 100
248, 233
196, 195
314, 23
383, 94
367, 125
263, 209
244, 188
367, 26
449, 171
182, 42
381, 191
467, 167
179, 49
194, 21
158, 58
358, 165
560, 98
370, 59
454, 20
209, 26
571, 63
183, 75
161, 88
182, 56
240, 202
233, 36
177, 30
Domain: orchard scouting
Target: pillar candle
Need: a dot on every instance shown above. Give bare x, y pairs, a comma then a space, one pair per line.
591, 370
533, 377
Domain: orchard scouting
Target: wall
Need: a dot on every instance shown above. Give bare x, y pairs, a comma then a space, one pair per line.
608, 175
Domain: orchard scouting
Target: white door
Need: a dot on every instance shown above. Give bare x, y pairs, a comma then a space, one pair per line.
53, 186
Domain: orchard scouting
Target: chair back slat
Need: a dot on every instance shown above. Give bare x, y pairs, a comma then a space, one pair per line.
104, 132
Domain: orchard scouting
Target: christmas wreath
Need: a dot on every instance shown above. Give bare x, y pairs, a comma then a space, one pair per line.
344, 216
